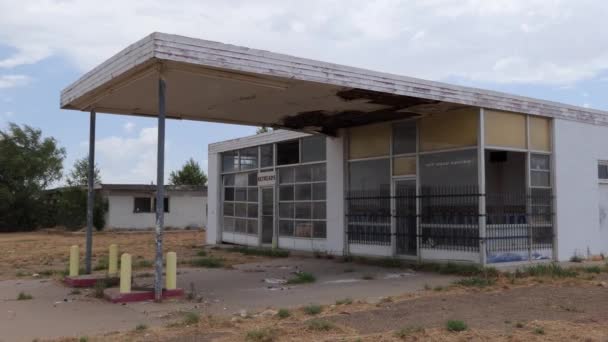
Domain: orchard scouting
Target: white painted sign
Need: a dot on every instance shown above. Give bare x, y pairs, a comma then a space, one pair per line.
266, 178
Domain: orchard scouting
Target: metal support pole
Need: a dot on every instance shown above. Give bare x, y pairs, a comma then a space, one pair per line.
91, 193
160, 192
481, 165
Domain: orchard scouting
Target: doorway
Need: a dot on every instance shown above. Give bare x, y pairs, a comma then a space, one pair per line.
404, 209
267, 214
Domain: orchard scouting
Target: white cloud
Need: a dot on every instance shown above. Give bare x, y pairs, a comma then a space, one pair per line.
128, 127
532, 41
11, 81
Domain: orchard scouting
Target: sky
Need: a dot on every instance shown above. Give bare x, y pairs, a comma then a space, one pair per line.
550, 49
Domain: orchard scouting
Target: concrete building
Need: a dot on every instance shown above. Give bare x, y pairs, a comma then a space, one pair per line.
131, 206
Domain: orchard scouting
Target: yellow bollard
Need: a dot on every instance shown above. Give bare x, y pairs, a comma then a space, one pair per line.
74, 259
113, 260
171, 278
125, 273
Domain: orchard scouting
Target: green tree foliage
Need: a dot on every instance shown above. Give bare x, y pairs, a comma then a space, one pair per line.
79, 175
29, 163
190, 174
67, 207
263, 129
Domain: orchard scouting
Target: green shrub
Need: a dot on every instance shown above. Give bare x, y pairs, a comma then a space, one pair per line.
405, 332
98, 290
456, 326
283, 313
201, 253
539, 331
269, 252
313, 309
593, 269
476, 282
261, 335
302, 278
24, 296
548, 270
319, 325
141, 327
191, 318
209, 262
344, 301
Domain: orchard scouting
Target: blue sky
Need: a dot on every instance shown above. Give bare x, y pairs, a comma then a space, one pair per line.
550, 49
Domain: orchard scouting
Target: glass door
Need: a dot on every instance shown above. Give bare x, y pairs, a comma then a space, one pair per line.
267, 214
405, 216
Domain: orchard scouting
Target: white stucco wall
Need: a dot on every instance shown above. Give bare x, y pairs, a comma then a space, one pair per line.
214, 199
185, 211
335, 195
578, 147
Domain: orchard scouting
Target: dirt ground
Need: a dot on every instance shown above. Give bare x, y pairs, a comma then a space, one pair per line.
46, 253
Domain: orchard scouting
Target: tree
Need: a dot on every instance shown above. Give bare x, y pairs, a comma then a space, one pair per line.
29, 163
190, 174
263, 129
79, 175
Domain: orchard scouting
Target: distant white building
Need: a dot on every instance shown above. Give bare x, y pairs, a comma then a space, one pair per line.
131, 206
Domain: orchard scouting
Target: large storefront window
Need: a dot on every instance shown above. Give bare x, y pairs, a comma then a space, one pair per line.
240, 206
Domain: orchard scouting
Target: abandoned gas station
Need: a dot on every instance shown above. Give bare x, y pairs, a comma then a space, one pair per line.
363, 162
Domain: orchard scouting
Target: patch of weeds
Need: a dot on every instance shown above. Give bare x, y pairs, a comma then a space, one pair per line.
141, 327
380, 262
438, 288
201, 253
519, 325
48, 273
368, 277
98, 290
593, 269
455, 325
427, 287
539, 330
476, 282
319, 325
209, 262
302, 278
269, 252
261, 335
283, 313
144, 275
143, 264
24, 296
405, 332
75, 292
20, 274
344, 301
577, 258
548, 270
312, 309
102, 264
83, 339
191, 318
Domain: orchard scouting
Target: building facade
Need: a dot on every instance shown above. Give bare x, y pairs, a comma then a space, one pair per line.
132, 206
467, 184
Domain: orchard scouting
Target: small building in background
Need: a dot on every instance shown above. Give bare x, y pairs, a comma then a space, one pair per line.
132, 206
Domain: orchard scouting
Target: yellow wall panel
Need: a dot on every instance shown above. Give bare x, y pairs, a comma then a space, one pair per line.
540, 133
449, 130
505, 129
370, 141
403, 166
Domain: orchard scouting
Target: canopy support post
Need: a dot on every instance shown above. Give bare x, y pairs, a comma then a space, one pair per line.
160, 192
90, 192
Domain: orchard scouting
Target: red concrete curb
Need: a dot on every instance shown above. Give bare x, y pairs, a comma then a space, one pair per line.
89, 280
114, 295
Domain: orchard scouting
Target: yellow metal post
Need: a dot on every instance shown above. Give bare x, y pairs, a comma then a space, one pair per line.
125, 273
113, 260
74, 258
171, 281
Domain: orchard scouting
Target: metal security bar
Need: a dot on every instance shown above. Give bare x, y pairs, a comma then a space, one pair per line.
519, 225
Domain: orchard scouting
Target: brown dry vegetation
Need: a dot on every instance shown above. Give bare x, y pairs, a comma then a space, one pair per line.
46, 252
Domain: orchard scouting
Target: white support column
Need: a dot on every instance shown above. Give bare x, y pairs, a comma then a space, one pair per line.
481, 174
335, 194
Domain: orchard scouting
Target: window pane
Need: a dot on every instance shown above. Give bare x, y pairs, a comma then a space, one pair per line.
229, 194
228, 224
449, 130
252, 227
252, 210
539, 162
141, 205
230, 161
252, 179
286, 175
602, 171
228, 209
286, 193
286, 210
369, 141
303, 174
313, 148
303, 210
240, 226
505, 129
318, 191
458, 168
404, 166
249, 158
540, 178
320, 230
404, 137
370, 176
240, 210
240, 179
286, 228
319, 172
540, 133
252, 195
229, 180
303, 229
267, 155
303, 192
318, 210
240, 194
288, 152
